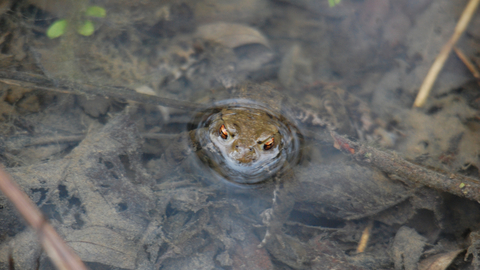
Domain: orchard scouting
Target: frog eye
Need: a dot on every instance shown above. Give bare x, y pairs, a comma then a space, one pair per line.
268, 144
223, 132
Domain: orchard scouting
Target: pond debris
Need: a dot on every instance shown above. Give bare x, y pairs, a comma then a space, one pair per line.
440, 261
443, 55
457, 184
407, 248
232, 35
362, 245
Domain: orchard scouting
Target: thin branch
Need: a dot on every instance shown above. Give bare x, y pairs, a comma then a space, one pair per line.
39, 82
456, 184
471, 66
20, 142
62, 256
443, 55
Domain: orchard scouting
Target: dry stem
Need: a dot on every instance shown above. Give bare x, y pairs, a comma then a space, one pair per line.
471, 66
62, 256
443, 55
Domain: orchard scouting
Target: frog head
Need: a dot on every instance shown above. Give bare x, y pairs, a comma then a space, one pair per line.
246, 137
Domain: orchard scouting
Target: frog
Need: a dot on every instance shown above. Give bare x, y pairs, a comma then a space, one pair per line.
252, 137
247, 140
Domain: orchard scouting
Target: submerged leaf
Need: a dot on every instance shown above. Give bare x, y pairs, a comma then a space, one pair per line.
439, 261
57, 29
407, 248
232, 35
101, 244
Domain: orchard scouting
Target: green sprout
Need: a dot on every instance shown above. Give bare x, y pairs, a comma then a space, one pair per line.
59, 27
86, 29
333, 3
95, 11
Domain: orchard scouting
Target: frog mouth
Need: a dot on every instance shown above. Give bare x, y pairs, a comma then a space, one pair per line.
256, 172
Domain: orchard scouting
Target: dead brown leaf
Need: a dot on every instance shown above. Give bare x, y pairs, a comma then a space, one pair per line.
407, 248
439, 261
232, 35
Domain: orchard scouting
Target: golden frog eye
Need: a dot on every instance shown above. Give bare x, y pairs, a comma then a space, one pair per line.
223, 132
268, 144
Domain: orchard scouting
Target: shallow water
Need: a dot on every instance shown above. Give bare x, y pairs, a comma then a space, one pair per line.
123, 200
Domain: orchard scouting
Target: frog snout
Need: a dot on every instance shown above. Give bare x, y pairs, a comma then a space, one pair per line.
243, 152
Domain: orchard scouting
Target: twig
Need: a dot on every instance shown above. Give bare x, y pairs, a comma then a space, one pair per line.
18, 143
468, 64
477, 61
389, 163
56, 140
443, 55
61, 255
159, 136
35, 81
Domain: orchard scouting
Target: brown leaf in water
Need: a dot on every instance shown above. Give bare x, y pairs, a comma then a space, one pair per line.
103, 245
232, 35
407, 248
439, 261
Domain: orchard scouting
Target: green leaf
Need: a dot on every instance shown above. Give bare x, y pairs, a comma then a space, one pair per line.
57, 28
95, 11
87, 28
333, 3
